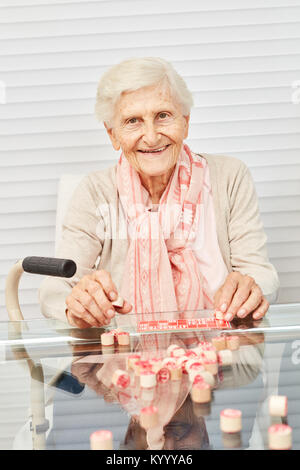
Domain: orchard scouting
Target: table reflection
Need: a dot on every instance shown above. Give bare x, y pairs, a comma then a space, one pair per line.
76, 396
182, 423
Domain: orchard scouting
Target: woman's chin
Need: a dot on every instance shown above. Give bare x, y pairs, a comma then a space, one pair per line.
156, 168
157, 171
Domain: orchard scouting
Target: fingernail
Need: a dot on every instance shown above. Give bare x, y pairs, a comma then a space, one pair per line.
223, 307
111, 313
257, 315
241, 313
113, 295
228, 317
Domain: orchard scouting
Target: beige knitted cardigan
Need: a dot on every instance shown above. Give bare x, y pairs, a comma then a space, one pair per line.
88, 238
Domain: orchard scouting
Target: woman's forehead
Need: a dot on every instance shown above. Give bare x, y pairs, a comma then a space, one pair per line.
146, 99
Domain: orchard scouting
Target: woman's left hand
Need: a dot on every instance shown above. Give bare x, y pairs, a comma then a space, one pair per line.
239, 296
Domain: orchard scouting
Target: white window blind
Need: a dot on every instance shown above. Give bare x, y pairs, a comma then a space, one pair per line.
240, 59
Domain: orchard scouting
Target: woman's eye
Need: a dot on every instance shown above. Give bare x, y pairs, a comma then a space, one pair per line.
162, 115
132, 121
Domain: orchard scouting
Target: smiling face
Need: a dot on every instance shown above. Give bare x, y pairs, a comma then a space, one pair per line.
149, 127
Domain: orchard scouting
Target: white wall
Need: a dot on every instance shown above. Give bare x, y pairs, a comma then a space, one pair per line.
240, 58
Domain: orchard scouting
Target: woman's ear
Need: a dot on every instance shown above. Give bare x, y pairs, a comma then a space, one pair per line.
111, 133
187, 124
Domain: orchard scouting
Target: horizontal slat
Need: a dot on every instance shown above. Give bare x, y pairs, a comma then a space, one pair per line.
178, 51
242, 80
25, 3
27, 281
279, 235
133, 8
282, 219
17, 205
53, 171
283, 250
250, 96
28, 220
25, 286
30, 312
288, 295
287, 265
150, 38
264, 26
276, 173
273, 204
11, 258
21, 250
215, 4
28, 296
25, 189
27, 235
210, 28
50, 108
288, 280
285, 188
58, 124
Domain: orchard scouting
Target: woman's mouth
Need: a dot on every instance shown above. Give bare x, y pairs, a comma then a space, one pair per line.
153, 152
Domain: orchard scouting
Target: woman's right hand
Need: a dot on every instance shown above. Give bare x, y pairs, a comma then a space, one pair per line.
89, 303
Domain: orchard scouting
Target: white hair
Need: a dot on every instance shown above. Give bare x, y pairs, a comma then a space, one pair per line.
136, 73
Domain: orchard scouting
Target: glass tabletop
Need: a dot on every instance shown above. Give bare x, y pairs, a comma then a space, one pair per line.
58, 383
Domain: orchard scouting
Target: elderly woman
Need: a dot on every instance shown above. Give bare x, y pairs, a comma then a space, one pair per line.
166, 228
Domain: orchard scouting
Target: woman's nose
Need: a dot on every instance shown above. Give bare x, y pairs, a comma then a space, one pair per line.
151, 137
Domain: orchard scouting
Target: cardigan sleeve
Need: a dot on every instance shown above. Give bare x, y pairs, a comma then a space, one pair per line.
247, 238
82, 241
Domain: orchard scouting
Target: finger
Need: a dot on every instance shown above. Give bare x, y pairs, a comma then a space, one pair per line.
79, 311
98, 294
127, 307
227, 291
107, 284
92, 314
74, 306
253, 301
261, 311
217, 298
241, 295
110, 290
77, 322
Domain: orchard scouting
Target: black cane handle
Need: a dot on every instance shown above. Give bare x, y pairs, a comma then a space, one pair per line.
49, 266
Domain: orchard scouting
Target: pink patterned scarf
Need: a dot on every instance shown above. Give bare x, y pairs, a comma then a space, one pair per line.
161, 272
